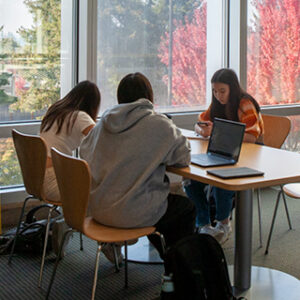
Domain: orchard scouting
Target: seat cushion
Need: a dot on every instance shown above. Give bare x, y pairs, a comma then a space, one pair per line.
292, 190
107, 234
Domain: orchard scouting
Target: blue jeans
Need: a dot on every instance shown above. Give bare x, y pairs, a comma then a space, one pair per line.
223, 199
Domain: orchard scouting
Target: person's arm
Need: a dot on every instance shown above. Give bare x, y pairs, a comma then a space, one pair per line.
205, 126
249, 138
249, 116
179, 152
84, 123
88, 129
84, 131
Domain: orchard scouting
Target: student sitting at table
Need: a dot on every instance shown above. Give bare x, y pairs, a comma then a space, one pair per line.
66, 123
230, 102
128, 151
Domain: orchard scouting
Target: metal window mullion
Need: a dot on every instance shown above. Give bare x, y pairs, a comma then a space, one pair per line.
75, 43
226, 32
243, 43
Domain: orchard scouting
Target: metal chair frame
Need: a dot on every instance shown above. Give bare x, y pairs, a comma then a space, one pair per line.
67, 170
32, 154
276, 129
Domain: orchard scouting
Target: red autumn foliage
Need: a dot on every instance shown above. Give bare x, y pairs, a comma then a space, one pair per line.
273, 55
273, 52
20, 83
189, 59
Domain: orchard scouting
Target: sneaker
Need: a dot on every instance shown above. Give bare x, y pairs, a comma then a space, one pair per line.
108, 251
213, 231
226, 231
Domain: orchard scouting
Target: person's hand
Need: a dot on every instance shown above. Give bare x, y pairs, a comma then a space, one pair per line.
203, 128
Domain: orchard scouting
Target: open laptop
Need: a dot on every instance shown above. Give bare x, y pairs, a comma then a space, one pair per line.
224, 145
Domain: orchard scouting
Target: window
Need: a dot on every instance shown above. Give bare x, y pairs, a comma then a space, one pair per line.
30, 47
164, 40
35, 67
273, 71
177, 44
10, 173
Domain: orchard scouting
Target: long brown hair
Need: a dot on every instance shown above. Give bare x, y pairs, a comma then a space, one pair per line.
85, 96
133, 87
230, 110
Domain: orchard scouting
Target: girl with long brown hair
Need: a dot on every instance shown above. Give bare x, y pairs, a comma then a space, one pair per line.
231, 102
66, 123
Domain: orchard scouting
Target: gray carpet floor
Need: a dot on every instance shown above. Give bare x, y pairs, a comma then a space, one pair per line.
284, 251
75, 273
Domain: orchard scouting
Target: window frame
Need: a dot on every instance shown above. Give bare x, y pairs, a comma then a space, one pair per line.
84, 67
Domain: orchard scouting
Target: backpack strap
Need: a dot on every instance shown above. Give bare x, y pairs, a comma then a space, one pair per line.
30, 216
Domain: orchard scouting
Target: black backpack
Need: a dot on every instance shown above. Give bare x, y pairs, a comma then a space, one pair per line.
31, 234
198, 269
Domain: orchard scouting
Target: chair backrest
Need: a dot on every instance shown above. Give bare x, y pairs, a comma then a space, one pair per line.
32, 155
74, 181
276, 130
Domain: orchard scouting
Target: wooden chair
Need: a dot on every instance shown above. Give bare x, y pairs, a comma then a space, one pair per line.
276, 130
292, 190
74, 181
32, 155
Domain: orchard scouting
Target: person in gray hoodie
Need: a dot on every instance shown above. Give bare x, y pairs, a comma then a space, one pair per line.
128, 151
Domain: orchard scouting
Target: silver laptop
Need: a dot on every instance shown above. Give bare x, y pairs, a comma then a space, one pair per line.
224, 145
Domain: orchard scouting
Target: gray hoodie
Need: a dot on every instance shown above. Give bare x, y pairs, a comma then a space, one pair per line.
128, 151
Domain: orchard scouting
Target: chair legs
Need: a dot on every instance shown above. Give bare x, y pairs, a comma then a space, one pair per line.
81, 242
57, 261
116, 258
259, 217
126, 264
162, 241
281, 192
163, 244
45, 243
117, 266
286, 208
18, 228
96, 270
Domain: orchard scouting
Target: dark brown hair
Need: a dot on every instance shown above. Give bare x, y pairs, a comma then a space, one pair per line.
85, 96
236, 93
133, 87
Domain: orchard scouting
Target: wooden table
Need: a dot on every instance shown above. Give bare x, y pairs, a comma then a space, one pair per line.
280, 167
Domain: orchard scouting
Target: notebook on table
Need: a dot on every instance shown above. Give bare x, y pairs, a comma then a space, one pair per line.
235, 172
191, 134
224, 145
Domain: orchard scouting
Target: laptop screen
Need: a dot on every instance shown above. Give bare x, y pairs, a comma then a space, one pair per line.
226, 138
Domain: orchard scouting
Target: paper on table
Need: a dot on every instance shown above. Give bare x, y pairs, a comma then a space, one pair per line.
191, 134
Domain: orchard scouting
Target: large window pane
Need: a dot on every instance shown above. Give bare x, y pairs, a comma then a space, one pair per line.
30, 57
165, 40
10, 173
35, 67
273, 51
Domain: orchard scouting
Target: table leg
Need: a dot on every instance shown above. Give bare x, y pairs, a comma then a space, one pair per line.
243, 241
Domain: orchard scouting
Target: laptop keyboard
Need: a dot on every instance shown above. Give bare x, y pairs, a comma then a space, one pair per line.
210, 159
205, 160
